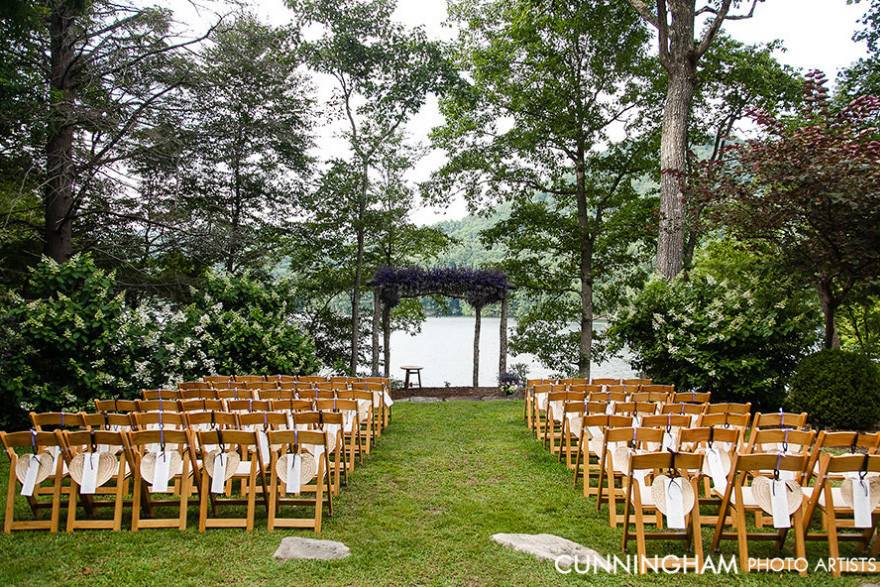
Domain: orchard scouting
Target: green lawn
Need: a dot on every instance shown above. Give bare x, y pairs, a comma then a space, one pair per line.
445, 477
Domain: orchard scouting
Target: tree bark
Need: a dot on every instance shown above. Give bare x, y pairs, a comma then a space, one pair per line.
502, 339
477, 311
377, 324
358, 275
585, 243
829, 310
673, 169
60, 174
386, 340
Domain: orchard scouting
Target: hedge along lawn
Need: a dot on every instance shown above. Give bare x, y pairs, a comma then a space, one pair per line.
421, 511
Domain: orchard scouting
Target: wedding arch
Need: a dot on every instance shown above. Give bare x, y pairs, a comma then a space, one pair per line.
478, 287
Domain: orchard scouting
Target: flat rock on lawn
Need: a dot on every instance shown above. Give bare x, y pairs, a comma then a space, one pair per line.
550, 547
292, 548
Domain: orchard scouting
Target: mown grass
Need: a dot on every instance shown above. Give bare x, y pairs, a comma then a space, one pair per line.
445, 477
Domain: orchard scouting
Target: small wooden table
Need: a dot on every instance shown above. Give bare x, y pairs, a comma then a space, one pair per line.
411, 370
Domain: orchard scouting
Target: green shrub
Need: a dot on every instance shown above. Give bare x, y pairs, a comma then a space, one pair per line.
67, 339
235, 325
735, 326
838, 389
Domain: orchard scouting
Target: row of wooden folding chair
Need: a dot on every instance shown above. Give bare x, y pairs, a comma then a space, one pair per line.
795, 456
182, 463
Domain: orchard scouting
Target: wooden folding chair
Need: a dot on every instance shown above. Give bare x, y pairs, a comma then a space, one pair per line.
573, 413
690, 397
838, 442
157, 405
364, 401
539, 407
683, 409
605, 381
201, 405
636, 381
215, 379
736, 421
296, 471
115, 405
555, 417
249, 378
847, 495
608, 396
235, 393
311, 379
281, 378
332, 425
718, 445
291, 406
33, 471
618, 446
206, 392
378, 391
166, 394
93, 462
248, 405
729, 408
48, 421
528, 403
183, 385
671, 424
152, 452
590, 444
781, 440
228, 456
654, 397
776, 420
739, 499
683, 520
351, 425
277, 394
657, 387
626, 390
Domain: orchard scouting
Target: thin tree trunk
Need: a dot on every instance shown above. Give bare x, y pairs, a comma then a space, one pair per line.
502, 339
358, 275
386, 339
829, 309
356, 303
377, 324
585, 243
59, 191
477, 311
673, 170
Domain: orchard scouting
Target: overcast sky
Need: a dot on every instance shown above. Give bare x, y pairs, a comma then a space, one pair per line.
815, 33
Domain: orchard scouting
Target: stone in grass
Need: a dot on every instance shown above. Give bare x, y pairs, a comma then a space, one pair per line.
550, 547
293, 548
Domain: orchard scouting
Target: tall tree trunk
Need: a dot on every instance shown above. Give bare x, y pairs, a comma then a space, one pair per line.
673, 170
585, 243
59, 189
358, 274
377, 324
356, 303
386, 340
829, 309
502, 339
477, 311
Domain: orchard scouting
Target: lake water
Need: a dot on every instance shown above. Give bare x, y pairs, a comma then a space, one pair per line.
444, 348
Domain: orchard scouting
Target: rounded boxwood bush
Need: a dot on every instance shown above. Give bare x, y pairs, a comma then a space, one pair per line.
838, 389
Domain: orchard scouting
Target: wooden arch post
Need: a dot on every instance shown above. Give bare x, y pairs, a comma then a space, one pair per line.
502, 339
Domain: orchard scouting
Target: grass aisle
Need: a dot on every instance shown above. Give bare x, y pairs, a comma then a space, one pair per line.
420, 512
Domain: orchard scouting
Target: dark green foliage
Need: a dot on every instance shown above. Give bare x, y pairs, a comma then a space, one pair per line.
737, 326
838, 389
69, 339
